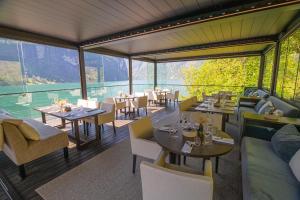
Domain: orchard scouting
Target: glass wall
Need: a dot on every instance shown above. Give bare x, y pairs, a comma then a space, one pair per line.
288, 84
106, 76
209, 76
142, 76
268, 70
34, 75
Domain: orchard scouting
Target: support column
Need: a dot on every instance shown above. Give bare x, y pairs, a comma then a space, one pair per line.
155, 74
130, 74
275, 68
261, 71
82, 73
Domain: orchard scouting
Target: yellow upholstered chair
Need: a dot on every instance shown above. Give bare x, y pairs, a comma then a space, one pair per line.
139, 102
141, 139
119, 105
162, 181
107, 117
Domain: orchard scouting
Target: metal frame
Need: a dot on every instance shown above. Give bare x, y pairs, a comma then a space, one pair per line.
241, 42
82, 73
214, 56
155, 74
195, 18
261, 71
130, 74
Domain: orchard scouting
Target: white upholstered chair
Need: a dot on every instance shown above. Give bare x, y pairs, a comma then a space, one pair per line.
87, 103
154, 97
163, 181
141, 133
119, 105
139, 102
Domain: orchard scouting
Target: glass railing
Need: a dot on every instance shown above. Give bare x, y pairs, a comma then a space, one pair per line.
22, 105
186, 91
140, 88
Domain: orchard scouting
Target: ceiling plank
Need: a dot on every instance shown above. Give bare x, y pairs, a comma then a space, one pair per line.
258, 40
189, 20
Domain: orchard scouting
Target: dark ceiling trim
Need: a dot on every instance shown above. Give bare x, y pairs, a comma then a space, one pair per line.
230, 11
268, 48
216, 56
15, 34
108, 52
241, 42
291, 27
144, 59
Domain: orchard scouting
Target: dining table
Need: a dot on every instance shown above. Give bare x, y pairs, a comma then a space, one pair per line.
174, 144
74, 116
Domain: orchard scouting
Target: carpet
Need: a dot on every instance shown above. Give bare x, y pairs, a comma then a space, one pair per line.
108, 176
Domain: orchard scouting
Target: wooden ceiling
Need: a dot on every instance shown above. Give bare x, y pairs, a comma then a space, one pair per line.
90, 22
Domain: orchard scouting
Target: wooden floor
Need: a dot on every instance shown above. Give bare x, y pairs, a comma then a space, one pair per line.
48, 167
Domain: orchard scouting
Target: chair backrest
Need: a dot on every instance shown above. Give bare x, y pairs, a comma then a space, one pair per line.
110, 100
108, 107
161, 183
141, 128
87, 103
142, 101
176, 94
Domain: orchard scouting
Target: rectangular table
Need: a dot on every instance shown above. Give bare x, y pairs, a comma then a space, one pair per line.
225, 111
77, 113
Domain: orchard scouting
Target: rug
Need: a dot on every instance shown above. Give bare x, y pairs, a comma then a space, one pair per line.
108, 176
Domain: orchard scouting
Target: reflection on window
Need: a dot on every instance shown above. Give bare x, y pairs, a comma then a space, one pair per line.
142, 76
33, 75
288, 84
209, 76
268, 69
106, 76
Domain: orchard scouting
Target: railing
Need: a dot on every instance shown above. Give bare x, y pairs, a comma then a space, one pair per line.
99, 93
140, 87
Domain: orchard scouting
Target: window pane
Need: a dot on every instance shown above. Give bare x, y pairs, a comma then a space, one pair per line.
142, 76
267, 77
106, 76
281, 69
210, 76
33, 75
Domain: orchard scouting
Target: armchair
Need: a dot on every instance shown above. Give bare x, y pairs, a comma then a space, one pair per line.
163, 181
141, 133
173, 96
118, 105
140, 102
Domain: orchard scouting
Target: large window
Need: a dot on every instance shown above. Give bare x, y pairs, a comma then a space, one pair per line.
33, 75
210, 76
268, 69
288, 84
142, 76
106, 76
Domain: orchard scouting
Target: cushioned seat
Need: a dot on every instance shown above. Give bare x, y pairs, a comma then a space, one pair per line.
265, 175
247, 104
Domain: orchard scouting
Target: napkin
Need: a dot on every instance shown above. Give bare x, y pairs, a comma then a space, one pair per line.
187, 147
223, 140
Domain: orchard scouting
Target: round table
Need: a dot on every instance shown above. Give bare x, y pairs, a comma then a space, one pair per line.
175, 144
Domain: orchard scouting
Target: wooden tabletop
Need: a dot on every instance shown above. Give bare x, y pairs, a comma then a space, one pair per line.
75, 114
280, 120
175, 144
223, 110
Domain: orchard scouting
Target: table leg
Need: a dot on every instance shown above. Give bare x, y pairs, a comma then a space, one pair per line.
77, 136
224, 120
97, 129
172, 158
217, 164
63, 123
44, 118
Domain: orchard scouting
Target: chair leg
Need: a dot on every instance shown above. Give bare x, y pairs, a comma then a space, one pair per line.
133, 163
146, 111
184, 160
66, 152
102, 127
138, 112
22, 171
114, 127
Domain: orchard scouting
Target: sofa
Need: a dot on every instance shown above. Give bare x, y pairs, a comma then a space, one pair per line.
26, 140
264, 174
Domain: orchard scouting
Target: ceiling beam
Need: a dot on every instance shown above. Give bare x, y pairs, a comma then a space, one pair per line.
241, 42
195, 18
108, 52
215, 56
15, 34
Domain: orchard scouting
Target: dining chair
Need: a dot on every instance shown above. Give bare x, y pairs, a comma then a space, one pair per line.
155, 97
140, 102
107, 117
119, 105
161, 181
173, 96
141, 139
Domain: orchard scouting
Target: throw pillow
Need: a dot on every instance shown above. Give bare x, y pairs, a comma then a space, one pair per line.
286, 141
268, 106
259, 105
28, 131
295, 165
